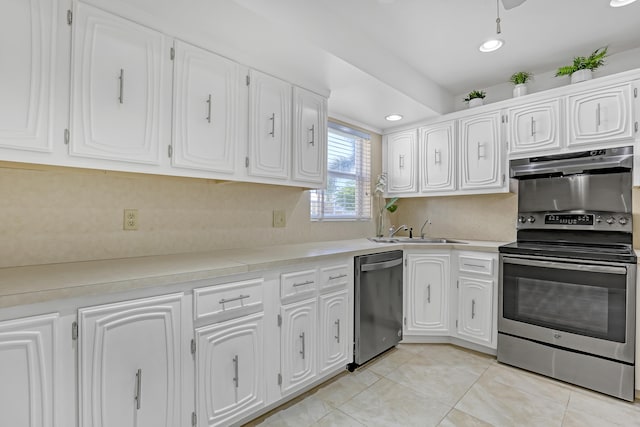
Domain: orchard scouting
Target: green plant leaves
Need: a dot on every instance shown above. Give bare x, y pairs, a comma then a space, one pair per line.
591, 62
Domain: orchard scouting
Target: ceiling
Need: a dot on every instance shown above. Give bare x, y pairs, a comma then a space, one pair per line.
377, 57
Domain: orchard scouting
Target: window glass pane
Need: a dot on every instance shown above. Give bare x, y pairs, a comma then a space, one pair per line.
347, 195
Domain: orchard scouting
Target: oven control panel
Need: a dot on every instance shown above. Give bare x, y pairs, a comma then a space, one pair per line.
599, 221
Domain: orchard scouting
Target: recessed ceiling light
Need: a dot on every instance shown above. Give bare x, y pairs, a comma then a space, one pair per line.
620, 3
491, 45
394, 117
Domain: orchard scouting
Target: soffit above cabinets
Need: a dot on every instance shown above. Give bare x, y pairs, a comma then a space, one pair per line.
377, 57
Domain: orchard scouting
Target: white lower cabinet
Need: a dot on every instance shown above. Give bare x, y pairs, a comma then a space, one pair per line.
229, 370
298, 344
426, 296
130, 364
475, 310
334, 324
28, 371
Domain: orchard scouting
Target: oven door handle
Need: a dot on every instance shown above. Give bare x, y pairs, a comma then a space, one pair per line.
566, 266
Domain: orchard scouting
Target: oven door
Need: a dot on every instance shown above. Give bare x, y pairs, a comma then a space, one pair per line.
586, 306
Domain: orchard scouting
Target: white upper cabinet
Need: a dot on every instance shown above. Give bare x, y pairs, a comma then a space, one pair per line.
600, 115
117, 80
28, 371
534, 127
400, 148
269, 126
481, 152
27, 52
437, 157
206, 114
130, 364
309, 137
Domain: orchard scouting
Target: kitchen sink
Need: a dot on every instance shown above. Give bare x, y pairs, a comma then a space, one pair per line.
413, 240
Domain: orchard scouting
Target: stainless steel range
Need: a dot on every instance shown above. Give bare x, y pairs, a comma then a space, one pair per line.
567, 285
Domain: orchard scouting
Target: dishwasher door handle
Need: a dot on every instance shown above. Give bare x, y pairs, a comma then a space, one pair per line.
381, 265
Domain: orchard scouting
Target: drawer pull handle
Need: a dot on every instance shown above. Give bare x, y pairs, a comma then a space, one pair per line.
340, 276
308, 282
241, 297
474, 265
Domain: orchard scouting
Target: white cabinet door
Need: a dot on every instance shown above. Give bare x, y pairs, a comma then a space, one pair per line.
481, 152
269, 126
299, 337
437, 157
27, 365
401, 162
600, 115
206, 114
27, 52
333, 331
534, 127
309, 137
117, 78
475, 310
229, 370
129, 363
427, 294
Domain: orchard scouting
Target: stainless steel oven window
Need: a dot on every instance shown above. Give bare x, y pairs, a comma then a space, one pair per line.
585, 300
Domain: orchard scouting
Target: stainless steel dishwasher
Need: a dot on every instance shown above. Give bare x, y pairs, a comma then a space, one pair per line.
378, 305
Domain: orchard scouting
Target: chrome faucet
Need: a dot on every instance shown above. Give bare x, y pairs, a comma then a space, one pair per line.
426, 221
393, 231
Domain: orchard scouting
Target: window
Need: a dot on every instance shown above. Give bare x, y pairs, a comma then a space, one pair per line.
348, 195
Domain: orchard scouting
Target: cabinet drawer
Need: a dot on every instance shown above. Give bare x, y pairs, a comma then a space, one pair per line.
228, 301
334, 277
474, 264
299, 284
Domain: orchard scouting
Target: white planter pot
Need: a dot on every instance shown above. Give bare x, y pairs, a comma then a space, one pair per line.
581, 76
475, 102
519, 90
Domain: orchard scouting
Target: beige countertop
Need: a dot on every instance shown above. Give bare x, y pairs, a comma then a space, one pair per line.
39, 283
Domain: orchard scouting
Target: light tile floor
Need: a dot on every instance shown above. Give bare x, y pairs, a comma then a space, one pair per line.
444, 385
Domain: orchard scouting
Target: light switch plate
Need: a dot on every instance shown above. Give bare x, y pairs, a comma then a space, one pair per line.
279, 219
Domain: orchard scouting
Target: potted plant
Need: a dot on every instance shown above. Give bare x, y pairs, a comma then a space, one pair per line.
390, 206
475, 98
520, 80
582, 66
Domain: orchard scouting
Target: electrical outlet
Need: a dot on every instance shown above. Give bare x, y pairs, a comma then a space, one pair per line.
130, 219
279, 219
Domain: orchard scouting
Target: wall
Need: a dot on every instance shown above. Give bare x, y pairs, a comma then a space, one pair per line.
53, 214
623, 61
481, 217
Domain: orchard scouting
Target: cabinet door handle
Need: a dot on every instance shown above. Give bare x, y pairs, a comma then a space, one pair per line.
306, 282
302, 352
121, 90
312, 129
437, 157
273, 125
241, 297
337, 323
208, 101
138, 395
473, 309
480, 147
533, 126
429, 293
401, 161
598, 115
236, 379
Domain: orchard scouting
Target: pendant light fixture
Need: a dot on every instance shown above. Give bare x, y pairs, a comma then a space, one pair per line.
494, 43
